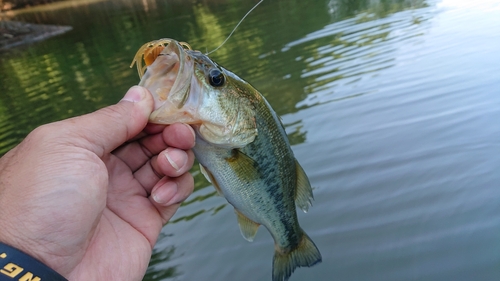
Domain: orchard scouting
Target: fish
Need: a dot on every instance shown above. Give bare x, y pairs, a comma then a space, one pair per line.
241, 145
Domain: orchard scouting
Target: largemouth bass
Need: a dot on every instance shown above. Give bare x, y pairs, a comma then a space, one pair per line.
241, 145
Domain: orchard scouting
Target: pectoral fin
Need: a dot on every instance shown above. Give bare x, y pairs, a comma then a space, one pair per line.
248, 227
210, 178
243, 165
303, 191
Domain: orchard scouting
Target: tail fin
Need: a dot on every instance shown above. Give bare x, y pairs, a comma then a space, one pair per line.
306, 254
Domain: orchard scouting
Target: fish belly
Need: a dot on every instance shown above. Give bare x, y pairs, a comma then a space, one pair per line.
261, 194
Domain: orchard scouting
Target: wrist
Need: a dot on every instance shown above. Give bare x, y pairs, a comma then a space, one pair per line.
17, 265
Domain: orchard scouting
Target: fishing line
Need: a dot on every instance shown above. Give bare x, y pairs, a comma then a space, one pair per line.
229, 36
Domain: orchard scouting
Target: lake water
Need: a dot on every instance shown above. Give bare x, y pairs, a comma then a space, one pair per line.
392, 107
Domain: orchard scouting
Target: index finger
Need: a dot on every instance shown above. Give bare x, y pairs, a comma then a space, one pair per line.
135, 154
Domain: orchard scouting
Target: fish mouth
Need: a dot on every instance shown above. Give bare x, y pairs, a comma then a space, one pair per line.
168, 77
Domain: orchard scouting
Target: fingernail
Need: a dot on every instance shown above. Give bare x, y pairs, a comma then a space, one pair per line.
164, 193
192, 131
134, 94
176, 158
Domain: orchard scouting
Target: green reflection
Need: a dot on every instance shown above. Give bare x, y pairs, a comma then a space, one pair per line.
342, 9
155, 269
295, 132
339, 55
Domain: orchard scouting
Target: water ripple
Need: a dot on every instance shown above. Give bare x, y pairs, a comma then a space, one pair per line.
347, 53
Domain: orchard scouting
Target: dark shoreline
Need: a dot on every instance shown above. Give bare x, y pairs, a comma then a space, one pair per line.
14, 33
10, 5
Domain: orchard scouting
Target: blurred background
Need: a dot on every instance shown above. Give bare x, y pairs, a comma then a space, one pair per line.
392, 108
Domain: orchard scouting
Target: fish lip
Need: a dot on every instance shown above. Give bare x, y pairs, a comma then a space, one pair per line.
168, 79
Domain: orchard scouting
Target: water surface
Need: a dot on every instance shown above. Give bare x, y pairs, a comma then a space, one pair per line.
392, 107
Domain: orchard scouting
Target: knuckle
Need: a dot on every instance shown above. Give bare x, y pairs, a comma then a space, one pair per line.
187, 182
44, 133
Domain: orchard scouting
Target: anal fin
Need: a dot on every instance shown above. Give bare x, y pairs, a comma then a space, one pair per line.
248, 227
303, 190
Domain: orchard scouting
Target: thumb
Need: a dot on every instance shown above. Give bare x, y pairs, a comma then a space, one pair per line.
108, 128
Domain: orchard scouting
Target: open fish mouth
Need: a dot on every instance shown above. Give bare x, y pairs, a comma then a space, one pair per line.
188, 87
167, 74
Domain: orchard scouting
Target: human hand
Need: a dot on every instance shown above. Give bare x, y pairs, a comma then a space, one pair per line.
87, 203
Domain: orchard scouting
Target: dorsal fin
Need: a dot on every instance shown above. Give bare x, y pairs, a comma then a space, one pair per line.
303, 191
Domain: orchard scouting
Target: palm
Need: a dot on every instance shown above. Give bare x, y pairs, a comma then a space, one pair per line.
90, 210
129, 223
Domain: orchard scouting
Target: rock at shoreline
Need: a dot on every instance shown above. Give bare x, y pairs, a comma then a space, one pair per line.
13, 33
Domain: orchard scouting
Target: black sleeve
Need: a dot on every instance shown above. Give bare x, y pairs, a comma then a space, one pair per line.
16, 265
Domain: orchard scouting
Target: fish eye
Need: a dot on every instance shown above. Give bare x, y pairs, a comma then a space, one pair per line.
216, 78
